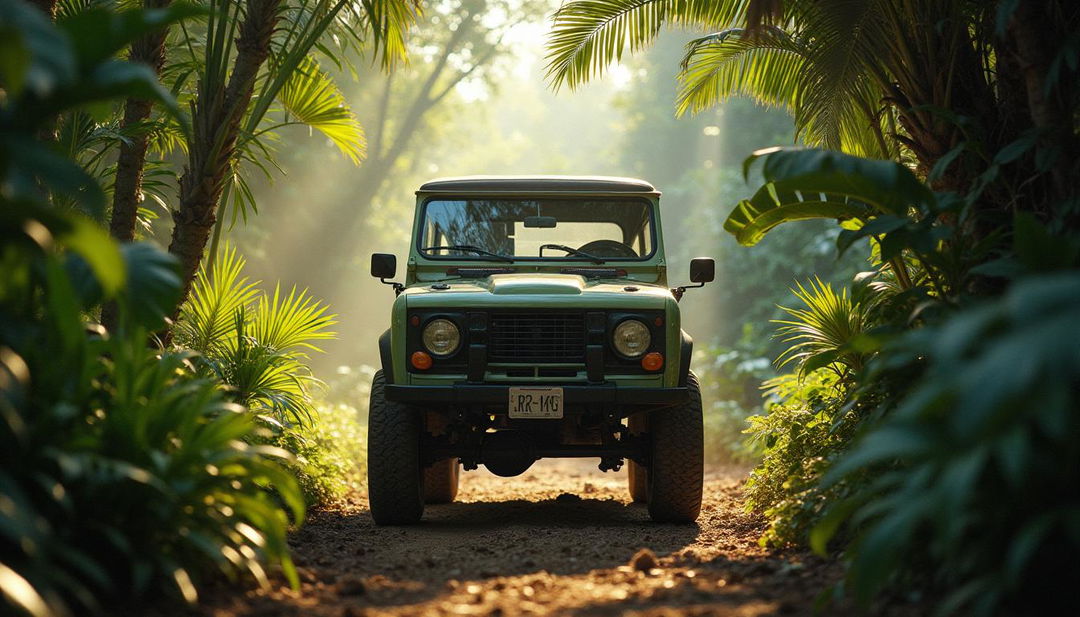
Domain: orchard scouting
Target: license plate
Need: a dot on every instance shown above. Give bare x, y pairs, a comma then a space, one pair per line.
542, 403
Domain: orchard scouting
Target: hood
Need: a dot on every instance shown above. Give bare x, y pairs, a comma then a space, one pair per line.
539, 289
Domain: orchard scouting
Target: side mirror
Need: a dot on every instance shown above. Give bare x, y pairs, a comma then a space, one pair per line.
702, 270
383, 265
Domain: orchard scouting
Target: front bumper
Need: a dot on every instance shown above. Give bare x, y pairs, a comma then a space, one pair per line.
499, 394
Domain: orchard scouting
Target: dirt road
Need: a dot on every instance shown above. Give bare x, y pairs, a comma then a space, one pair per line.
559, 540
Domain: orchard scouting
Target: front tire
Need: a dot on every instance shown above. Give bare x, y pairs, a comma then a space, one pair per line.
395, 477
677, 471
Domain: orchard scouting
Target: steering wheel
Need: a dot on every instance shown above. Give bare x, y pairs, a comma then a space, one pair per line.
608, 248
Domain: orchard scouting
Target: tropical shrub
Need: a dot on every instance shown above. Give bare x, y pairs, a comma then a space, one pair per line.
803, 428
123, 473
976, 474
254, 342
946, 457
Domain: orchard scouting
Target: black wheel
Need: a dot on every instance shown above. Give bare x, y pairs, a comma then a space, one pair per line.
677, 469
441, 481
395, 478
637, 475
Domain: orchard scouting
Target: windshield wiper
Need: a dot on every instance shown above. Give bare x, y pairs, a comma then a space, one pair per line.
572, 251
470, 248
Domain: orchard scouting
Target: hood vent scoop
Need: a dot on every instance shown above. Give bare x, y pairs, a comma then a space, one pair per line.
525, 284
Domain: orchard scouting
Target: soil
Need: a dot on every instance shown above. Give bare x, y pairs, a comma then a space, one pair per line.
562, 539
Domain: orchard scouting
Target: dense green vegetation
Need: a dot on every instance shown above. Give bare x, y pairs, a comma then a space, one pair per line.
929, 425
138, 462
162, 419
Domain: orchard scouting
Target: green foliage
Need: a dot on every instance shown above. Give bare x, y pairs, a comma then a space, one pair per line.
976, 475
808, 183
330, 452
254, 342
826, 333
311, 96
591, 34
124, 473
766, 66
822, 64
804, 427
942, 455
47, 70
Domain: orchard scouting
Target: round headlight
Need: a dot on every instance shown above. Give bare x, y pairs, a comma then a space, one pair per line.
441, 337
631, 338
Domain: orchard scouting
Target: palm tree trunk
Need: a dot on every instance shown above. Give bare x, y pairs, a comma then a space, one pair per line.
216, 124
1036, 45
131, 160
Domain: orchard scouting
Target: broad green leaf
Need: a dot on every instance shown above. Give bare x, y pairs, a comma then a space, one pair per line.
808, 183
755, 217
99, 250
98, 34
33, 53
153, 285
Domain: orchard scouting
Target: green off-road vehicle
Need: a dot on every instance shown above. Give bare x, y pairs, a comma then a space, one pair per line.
535, 321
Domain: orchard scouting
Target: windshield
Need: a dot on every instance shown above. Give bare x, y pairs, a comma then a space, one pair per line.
596, 230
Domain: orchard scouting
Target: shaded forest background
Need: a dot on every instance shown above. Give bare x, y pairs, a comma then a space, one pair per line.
477, 104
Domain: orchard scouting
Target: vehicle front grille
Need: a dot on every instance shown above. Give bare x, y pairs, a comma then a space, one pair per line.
537, 337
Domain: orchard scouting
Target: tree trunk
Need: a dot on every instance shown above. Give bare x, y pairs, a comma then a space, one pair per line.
216, 124
1037, 41
131, 160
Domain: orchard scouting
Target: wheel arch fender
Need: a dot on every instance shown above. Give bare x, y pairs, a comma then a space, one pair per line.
386, 356
686, 353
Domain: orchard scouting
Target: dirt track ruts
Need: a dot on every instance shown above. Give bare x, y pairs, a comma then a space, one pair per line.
557, 540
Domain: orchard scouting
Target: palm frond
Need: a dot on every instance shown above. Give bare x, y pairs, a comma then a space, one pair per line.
822, 334
291, 322
207, 319
839, 92
765, 66
312, 98
589, 35
388, 21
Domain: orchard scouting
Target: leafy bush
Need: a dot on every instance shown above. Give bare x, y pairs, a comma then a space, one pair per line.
803, 429
330, 452
950, 458
977, 473
825, 333
254, 342
122, 472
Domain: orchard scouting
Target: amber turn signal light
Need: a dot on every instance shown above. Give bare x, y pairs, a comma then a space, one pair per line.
421, 360
653, 361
